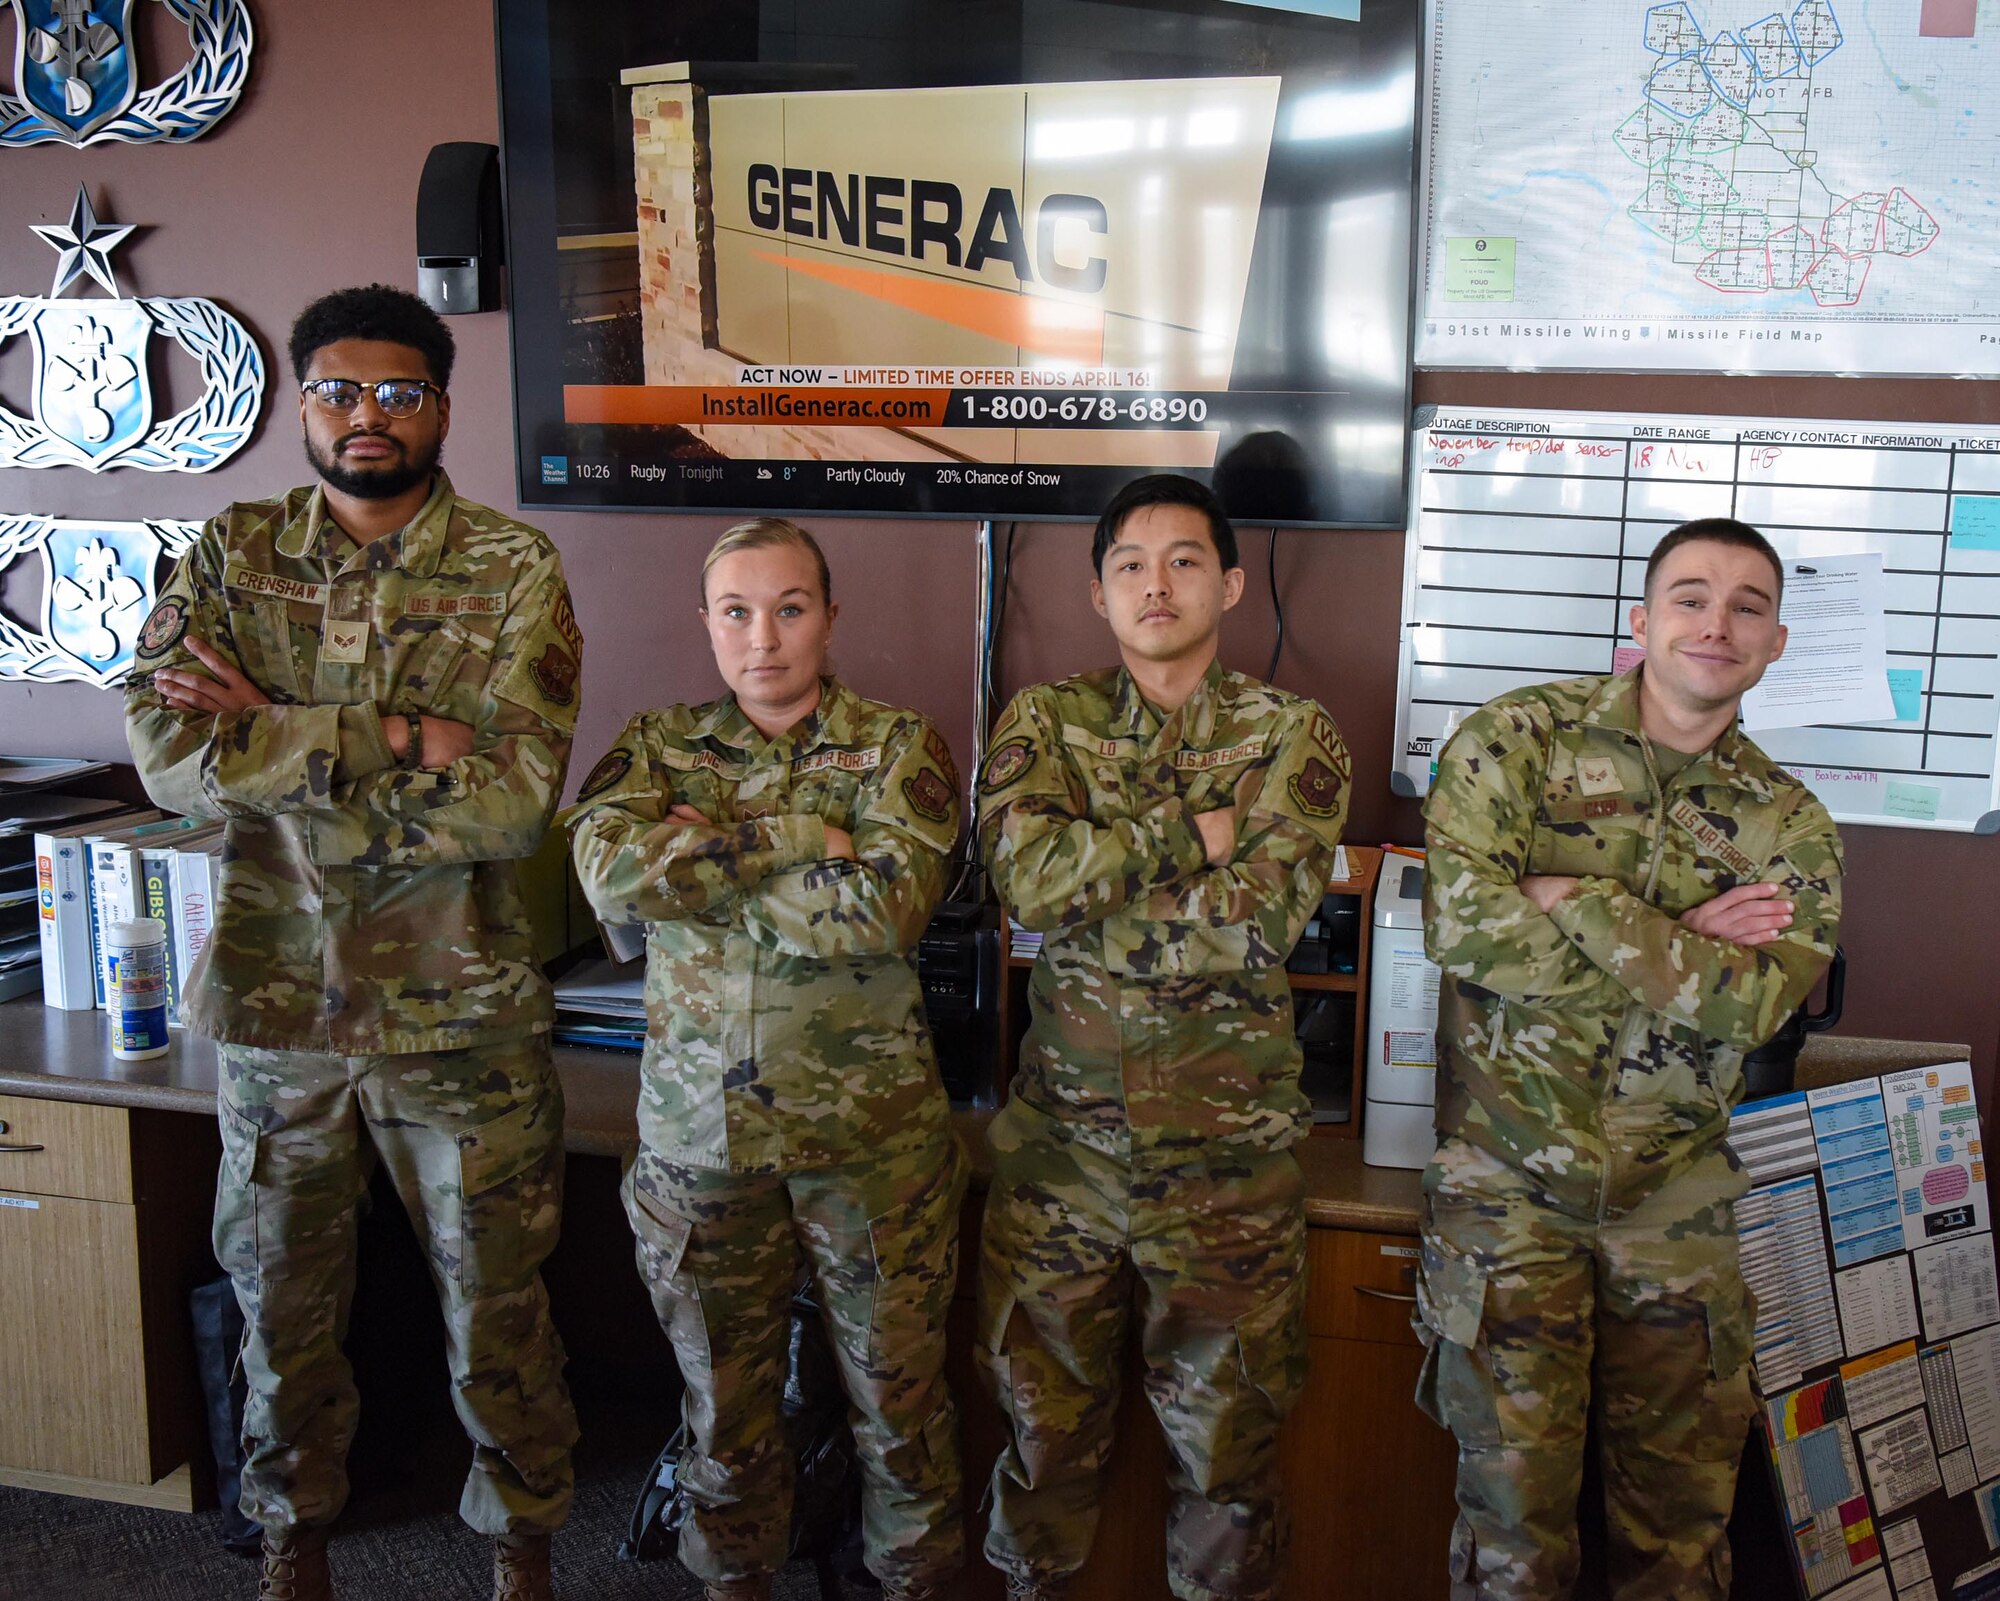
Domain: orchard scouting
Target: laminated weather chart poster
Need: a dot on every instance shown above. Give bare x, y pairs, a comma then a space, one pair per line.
1868, 1245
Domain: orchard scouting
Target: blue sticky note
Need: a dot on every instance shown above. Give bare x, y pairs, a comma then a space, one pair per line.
1975, 522
1906, 687
1917, 801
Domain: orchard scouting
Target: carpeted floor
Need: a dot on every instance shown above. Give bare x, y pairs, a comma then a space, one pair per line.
400, 1538
399, 1541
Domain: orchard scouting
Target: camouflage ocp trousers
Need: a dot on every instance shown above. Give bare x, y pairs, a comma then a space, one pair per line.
472, 1141
719, 1253
1536, 1319
1210, 1254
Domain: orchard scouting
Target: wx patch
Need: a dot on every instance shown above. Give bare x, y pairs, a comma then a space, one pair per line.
565, 620
611, 767
1008, 763
940, 752
163, 630
1315, 788
1325, 735
928, 794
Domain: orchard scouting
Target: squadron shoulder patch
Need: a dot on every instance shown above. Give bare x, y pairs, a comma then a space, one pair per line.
1007, 763
555, 673
163, 629
1315, 788
611, 767
928, 794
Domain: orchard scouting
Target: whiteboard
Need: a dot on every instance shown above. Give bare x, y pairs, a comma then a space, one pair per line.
1528, 546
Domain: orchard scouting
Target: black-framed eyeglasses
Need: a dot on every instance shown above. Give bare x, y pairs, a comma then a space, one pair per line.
398, 397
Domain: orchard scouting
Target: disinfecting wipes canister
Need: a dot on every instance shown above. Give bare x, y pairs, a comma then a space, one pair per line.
137, 999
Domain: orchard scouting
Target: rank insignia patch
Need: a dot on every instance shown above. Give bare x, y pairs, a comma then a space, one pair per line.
1598, 775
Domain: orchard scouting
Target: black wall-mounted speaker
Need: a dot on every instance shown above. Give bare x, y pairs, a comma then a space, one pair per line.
459, 241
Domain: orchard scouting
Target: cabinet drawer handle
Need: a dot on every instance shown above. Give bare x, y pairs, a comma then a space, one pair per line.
1384, 1295
6, 1148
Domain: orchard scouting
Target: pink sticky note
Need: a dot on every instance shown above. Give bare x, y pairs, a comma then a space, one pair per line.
1948, 19
1626, 657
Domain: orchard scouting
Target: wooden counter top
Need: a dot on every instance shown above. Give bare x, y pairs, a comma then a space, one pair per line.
66, 1056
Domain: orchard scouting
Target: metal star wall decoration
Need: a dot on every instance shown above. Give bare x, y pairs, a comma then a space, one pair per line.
93, 397
84, 246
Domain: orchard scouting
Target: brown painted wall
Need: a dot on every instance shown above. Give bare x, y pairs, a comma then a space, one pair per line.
311, 185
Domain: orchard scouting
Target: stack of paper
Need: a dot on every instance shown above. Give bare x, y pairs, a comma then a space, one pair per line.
1022, 941
21, 774
602, 1003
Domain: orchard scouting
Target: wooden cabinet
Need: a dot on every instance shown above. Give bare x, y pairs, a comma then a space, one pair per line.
1369, 1476
1368, 1479
103, 1231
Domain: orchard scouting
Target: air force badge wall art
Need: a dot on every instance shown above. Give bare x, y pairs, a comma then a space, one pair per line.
77, 73
93, 401
98, 592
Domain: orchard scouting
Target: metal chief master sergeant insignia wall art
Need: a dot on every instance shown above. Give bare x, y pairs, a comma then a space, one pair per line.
93, 408
93, 399
77, 73
98, 588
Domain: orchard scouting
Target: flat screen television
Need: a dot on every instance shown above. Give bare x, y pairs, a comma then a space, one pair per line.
987, 258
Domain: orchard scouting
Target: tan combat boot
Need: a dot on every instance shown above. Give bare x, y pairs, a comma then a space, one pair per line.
757, 1589
521, 1568
1024, 1587
295, 1567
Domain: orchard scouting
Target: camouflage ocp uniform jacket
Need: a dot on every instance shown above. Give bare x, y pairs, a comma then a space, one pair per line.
785, 1023
366, 908
1161, 1016
1600, 1047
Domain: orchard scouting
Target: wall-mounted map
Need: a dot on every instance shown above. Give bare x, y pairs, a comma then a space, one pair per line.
1726, 184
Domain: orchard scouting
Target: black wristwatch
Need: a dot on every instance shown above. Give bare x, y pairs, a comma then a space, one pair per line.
413, 752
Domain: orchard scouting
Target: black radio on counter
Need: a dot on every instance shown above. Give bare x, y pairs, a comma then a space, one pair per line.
958, 965
1331, 942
